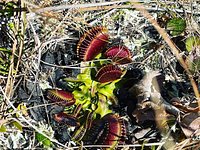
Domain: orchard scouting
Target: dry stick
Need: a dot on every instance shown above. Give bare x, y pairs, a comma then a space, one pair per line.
10, 81
125, 6
21, 42
121, 146
11, 77
174, 49
13, 71
63, 7
74, 65
98, 6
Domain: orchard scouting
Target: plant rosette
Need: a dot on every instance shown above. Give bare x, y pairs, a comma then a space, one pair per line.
93, 95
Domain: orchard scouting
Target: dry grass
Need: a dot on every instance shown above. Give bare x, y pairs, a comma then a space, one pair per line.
49, 28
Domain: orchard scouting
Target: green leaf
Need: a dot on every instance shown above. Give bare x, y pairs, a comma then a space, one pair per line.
78, 94
94, 89
83, 88
42, 139
2, 128
192, 43
194, 64
87, 104
5, 50
102, 108
85, 78
107, 90
17, 125
11, 25
3, 72
176, 26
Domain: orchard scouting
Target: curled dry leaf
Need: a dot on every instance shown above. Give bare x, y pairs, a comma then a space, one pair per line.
142, 90
140, 134
190, 124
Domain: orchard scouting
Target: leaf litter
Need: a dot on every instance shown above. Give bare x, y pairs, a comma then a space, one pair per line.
155, 98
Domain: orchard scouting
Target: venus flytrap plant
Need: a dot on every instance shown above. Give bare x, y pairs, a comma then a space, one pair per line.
96, 92
92, 89
91, 93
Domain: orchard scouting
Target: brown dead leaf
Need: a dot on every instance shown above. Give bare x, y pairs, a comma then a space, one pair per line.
146, 112
142, 90
142, 133
143, 115
191, 124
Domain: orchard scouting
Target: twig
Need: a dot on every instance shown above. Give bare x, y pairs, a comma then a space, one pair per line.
63, 7
147, 8
103, 6
73, 66
103, 16
120, 146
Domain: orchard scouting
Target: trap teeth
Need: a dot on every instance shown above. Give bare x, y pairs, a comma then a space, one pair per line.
92, 43
109, 130
119, 54
61, 97
108, 73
